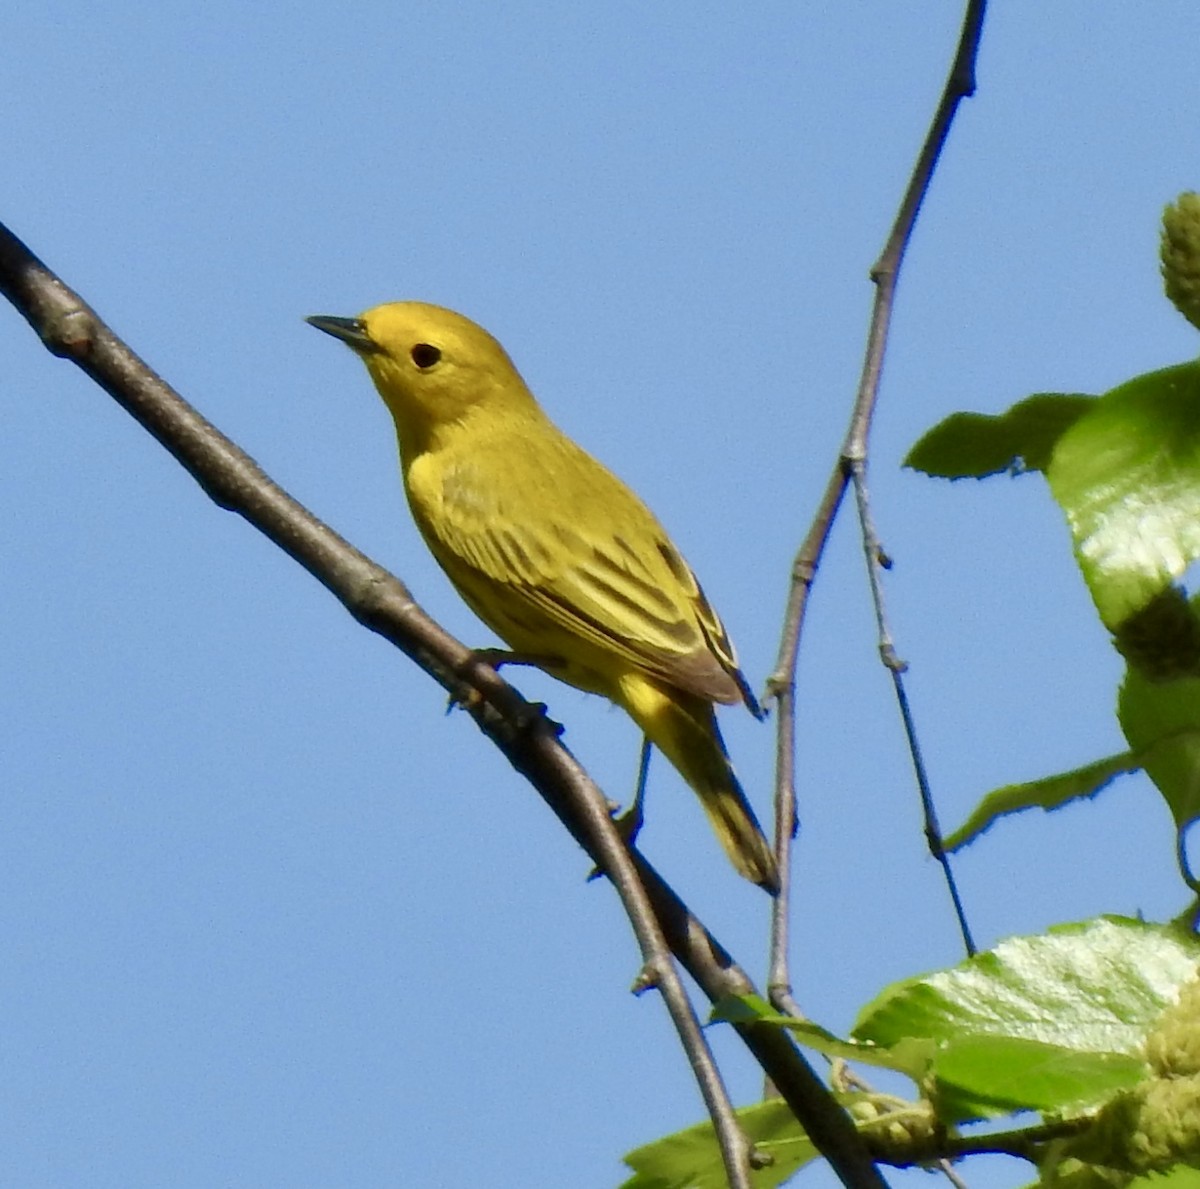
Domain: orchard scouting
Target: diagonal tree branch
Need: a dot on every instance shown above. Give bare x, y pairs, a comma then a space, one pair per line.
521, 731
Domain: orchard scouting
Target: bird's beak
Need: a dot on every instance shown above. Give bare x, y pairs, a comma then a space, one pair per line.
351, 331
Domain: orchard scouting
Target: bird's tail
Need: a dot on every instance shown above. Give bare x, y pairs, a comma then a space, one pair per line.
684, 728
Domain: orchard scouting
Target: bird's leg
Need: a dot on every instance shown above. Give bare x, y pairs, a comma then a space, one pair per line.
497, 658
629, 823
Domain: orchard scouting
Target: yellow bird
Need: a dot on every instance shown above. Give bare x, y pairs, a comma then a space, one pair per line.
554, 553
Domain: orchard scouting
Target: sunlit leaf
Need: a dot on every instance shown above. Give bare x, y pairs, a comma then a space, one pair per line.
1127, 475
1048, 1022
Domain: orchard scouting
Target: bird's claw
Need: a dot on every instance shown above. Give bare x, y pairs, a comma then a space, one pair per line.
628, 824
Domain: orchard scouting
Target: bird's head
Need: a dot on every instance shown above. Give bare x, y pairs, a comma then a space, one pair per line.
432, 366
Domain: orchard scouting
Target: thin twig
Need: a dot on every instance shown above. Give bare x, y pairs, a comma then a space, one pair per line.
1023, 1142
844, 1078
659, 971
876, 562
939, 1148
781, 686
851, 466
796, 1082
948, 1171
523, 733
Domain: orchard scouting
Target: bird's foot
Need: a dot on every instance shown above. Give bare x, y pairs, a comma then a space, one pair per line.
628, 824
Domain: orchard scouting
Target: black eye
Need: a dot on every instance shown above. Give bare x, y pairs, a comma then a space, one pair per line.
425, 355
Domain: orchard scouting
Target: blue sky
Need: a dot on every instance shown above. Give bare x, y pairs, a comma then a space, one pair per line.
270, 917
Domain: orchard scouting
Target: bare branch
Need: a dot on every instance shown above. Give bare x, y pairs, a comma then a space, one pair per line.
876, 562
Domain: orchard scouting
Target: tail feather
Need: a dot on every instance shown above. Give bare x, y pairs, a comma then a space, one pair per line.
684, 728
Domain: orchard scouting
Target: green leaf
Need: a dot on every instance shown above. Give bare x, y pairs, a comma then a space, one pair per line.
1048, 793
975, 445
744, 1009
1161, 719
1127, 475
1027, 1075
1049, 1022
909, 1056
691, 1159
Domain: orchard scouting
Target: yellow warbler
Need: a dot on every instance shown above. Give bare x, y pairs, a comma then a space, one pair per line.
555, 553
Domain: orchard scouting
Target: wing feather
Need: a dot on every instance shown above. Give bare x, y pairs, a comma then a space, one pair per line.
529, 566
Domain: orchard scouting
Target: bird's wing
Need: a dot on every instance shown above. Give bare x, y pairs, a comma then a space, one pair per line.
646, 606
636, 599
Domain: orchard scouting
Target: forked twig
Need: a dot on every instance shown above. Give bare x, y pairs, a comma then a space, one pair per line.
851, 467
